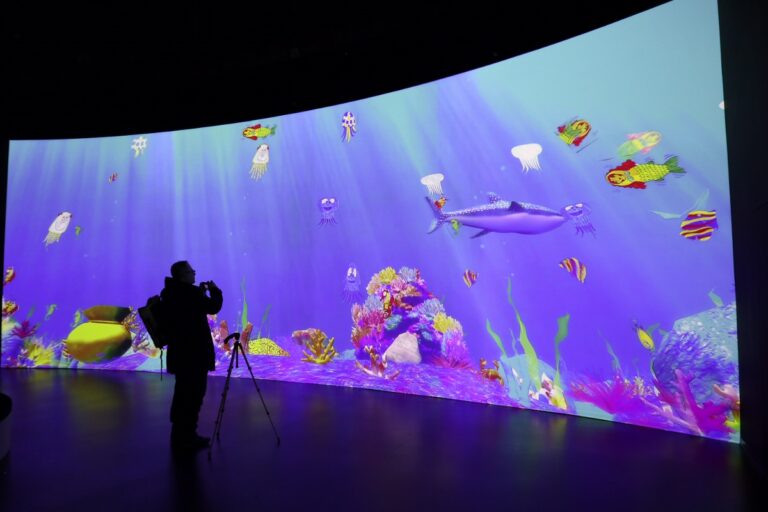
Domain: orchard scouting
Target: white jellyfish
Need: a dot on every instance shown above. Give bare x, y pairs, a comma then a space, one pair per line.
57, 228
260, 161
433, 183
138, 146
528, 154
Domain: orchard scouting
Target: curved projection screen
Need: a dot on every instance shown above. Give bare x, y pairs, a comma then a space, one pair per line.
550, 232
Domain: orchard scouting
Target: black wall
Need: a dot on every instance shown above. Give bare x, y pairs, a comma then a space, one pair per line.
125, 68
744, 40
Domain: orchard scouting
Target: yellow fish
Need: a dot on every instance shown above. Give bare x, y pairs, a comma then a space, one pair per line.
645, 338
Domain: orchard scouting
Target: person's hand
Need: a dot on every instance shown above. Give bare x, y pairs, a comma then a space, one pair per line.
212, 286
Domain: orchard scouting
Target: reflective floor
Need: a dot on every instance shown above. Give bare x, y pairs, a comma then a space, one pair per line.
100, 441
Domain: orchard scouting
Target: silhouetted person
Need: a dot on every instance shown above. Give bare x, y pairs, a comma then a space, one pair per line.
190, 350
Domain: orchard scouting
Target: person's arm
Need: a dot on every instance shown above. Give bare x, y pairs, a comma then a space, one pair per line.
212, 304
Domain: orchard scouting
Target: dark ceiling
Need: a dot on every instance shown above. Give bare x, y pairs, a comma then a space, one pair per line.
78, 71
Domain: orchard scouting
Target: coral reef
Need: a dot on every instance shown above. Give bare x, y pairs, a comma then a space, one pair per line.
320, 347
378, 365
400, 302
704, 347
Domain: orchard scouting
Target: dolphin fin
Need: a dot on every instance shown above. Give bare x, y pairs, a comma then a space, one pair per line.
516, 207
480, 233
439, 216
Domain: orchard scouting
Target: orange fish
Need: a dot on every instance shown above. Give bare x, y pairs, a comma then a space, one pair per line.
469, 278
574, 267
441, 202
10, 273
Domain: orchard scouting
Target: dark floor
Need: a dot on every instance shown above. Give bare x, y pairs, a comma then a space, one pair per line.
99, 441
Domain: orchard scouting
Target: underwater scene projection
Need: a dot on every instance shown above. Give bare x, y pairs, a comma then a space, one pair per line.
550, 232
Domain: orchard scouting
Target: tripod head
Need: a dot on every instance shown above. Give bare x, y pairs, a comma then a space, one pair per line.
233, 335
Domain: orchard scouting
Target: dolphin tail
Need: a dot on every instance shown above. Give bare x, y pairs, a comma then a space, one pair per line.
440, 217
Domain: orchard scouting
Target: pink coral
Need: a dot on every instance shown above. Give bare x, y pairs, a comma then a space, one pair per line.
616, 396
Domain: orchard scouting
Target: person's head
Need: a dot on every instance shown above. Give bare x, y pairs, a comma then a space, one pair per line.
183, 271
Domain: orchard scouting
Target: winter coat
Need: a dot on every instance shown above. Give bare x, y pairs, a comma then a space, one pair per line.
190, 346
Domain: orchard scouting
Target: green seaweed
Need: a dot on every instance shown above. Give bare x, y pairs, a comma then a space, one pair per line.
244, 319
715, 298
495, 337
562, 332
514, 341
78, 318
263, 320
615, 360
530, 353
49, 311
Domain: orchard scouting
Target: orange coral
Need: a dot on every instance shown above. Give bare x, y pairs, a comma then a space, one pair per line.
378, 365
321, 350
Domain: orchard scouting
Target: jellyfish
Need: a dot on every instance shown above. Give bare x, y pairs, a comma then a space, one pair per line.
328, 207
433, 183
260, 161
348, 126
138, 146
578, 214
57, 228
352, 292
528, 154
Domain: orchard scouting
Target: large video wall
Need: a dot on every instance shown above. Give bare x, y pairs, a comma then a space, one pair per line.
550, 232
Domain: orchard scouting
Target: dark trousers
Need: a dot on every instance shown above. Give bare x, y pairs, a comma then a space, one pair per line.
187, 399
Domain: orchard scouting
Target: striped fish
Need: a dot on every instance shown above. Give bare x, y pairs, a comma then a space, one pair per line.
699, 225
574, 267
469, 278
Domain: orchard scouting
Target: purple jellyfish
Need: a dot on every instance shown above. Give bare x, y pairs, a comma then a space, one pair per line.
328, 207
578, 214
352, 287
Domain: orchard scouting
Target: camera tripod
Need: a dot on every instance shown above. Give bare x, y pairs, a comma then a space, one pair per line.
237, 349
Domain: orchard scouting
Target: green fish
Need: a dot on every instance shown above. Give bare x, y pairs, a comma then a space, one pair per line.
50, 311
455, 224
78, 229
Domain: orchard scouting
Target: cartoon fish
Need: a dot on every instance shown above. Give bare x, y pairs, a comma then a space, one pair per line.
9, 307
645, 338
641, 142
112, 177
631, 175
699, 225
574, 132
469, 278
348, 126
78, 230
50, 311
441, 202
257, 131
574, 267
501, 217
10, 274
455, 225
57, 228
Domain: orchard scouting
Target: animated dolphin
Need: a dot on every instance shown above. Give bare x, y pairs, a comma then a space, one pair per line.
501, 217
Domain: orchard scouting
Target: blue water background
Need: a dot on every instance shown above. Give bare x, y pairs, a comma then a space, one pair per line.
190, 196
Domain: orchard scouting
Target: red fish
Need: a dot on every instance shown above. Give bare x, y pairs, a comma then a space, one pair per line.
112, 177
441, 202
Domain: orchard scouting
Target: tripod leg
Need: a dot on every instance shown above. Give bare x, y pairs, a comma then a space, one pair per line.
269, 416
220, 414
